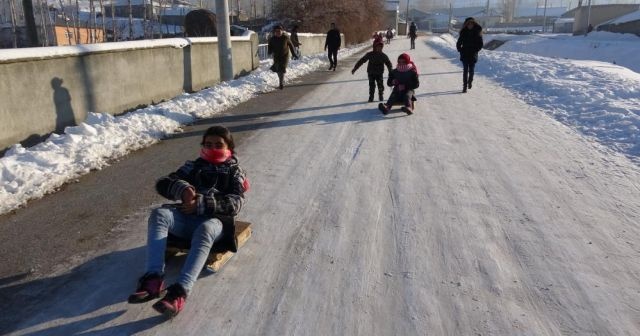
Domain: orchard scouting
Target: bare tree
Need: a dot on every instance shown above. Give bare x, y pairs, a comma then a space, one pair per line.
76, 22
43, 23
104, 28
113, 21
357, 19
30, 22
14, 22
130, 21
66, 21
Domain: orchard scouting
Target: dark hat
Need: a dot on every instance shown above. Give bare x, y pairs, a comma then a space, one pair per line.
469, 19
277, 27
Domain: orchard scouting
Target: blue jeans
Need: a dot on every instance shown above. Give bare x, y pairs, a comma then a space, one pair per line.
202, 232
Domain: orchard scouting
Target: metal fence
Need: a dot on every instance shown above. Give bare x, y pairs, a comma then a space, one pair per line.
262, 51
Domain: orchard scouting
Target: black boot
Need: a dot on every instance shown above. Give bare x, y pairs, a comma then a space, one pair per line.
469, 85
370, 98
381, 96
464, 88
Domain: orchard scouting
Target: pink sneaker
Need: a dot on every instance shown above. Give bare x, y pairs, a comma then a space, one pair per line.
150, 286
173, 302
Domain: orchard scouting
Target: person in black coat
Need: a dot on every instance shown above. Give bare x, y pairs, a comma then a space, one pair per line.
468, 45
332, 43
413, 34
375, 69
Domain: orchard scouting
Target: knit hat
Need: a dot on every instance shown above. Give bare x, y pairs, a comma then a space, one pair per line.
469, 19
408, 61
378, 43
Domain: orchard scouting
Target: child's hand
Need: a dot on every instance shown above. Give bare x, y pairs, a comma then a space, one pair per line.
353, 72
401, 87
395, 82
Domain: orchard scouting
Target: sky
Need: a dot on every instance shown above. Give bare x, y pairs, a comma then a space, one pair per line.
587, 83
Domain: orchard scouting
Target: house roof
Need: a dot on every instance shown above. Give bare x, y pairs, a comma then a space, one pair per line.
634, 16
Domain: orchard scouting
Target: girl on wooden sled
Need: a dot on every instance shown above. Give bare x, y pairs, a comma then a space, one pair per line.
404, 79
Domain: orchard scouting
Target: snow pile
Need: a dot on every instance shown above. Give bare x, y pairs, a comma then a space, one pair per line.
620, 49
28, 173
601, 100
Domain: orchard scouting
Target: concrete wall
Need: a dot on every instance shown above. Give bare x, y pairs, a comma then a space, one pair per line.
53, 88
314, 43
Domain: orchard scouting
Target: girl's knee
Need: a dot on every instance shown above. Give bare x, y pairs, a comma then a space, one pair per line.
211, 228
160, 216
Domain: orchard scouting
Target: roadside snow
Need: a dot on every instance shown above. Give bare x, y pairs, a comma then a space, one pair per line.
601, 100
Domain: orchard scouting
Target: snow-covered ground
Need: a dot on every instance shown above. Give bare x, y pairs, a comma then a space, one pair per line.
477, 215
600, 99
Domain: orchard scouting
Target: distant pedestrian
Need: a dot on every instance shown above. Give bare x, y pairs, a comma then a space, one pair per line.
413, 34
468, 45
377, 37
404, 79
295, 41
375, 69
332, 44
389, 35
279, 46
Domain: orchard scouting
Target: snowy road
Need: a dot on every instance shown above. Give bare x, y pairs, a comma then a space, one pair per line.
478, 215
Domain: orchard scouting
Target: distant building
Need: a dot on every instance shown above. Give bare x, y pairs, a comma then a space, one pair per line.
391, 14
599, 14
627, 24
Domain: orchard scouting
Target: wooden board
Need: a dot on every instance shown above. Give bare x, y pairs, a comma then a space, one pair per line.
217, 259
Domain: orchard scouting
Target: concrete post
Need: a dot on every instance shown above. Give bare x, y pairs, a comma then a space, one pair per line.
224, 40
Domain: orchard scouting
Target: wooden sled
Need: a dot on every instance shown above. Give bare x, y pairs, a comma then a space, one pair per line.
218, 255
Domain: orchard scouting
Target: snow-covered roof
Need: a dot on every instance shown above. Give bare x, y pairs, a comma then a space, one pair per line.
634, 16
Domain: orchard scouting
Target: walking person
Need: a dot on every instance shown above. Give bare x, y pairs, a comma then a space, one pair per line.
332, 44
413, 34
404, 79
389, 35
468, 45
209, 187
295, 41
375, 69
279, 46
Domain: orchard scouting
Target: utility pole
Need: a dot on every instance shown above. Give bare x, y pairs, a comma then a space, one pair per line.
544, 18
225, 59
588, 19
406, 18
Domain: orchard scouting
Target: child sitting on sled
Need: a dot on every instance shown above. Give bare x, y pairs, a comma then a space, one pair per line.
404, 79
211, 186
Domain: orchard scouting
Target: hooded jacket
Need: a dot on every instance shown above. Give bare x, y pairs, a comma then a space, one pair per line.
470, 42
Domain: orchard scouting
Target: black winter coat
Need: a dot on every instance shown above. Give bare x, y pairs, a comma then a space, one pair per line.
407, 78
377, 62
333, 40
469, 43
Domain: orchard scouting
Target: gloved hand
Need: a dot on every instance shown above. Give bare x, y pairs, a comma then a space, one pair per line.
353, 72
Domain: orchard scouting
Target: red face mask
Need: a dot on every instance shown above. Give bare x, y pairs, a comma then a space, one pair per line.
215, 156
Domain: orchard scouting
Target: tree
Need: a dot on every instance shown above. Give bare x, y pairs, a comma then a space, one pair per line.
30, 20
357, 19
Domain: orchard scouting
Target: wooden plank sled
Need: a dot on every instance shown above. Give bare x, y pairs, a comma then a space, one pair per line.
216, 259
